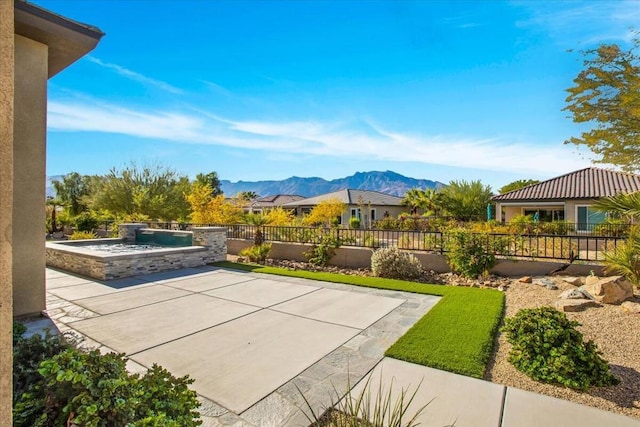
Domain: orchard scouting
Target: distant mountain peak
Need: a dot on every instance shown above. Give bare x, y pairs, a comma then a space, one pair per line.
388, 182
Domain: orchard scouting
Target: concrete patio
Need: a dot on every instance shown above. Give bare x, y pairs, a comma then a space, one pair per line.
254, 342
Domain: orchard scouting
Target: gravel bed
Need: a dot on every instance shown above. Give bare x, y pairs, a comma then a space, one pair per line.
616, 333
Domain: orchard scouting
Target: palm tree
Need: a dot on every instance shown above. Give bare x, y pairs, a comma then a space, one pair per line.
258, 221
625, 205
414, 199
625, 257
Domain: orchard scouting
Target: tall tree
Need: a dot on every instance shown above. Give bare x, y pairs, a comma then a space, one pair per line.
428, 199
325, 212
211, 179
607, 96
414, 199
207, 209
465, 200
155, 191
516, 185
72, 192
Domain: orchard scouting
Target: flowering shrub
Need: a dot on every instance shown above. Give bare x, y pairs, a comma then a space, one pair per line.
395, 264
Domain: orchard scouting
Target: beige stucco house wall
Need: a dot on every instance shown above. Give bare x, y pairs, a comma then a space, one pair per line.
45, 44
6, 208
35, 44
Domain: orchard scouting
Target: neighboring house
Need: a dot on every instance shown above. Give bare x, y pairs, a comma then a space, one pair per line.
267, 203
568, 197
368, 206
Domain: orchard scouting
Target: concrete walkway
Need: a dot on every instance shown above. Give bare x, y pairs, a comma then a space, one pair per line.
255, 342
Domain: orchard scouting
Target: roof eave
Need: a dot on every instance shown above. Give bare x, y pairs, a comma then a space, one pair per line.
68, 40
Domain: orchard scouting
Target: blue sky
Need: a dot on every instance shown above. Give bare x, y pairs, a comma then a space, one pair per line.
268, 90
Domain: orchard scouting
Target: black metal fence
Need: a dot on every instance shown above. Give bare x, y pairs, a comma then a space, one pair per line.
543, 246
525, 242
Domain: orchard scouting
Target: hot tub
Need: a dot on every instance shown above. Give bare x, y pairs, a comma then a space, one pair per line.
107, 259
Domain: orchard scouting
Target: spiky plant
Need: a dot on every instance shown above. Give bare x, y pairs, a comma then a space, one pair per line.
258, 221
624, 259
363, 410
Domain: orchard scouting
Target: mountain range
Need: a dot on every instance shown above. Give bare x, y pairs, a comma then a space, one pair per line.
386, 182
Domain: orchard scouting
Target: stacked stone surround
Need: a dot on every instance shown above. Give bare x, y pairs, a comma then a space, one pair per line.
209, 246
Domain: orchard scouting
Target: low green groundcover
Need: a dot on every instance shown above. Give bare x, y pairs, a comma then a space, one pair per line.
456, 335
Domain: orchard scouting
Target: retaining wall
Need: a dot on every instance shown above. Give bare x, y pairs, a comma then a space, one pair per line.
354, 257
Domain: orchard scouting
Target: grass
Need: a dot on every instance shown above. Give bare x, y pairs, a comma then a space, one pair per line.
457, 335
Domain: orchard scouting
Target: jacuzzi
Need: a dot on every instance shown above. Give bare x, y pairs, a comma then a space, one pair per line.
151, 251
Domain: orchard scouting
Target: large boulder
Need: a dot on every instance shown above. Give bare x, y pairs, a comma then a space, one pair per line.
609, 290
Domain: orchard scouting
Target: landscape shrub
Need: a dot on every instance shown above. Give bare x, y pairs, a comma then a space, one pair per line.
56, 384
387, 223
354, 223
324, 247
612, 227
27, 355
82, 235
86, 222
559, 228
548, 348
521, 224
470, 254
91, 389
392, 263
256, 253
370, 241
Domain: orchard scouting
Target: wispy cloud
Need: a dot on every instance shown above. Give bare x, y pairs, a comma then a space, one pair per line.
583, 21
345, 139
125, 72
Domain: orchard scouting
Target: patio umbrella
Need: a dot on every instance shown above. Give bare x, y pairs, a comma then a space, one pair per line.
488, 211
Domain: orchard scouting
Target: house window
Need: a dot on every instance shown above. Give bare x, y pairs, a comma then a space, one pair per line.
545, 215
586, 217
373, 215
355, 213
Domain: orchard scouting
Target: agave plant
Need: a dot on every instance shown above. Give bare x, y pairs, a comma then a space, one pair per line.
363, 410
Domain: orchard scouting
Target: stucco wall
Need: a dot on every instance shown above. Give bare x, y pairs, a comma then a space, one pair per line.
6, 207
394, 211
361, 258
29, 151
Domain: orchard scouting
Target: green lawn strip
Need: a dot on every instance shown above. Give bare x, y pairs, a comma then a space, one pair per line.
456, 335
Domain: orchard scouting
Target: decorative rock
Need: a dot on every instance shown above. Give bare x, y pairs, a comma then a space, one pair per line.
501, 288
548, 283
590, 280
630, 307
610, 290
525, 279
574, 294
575, 281
572, 305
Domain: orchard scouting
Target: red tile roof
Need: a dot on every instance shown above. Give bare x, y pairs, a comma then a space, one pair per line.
588, 183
